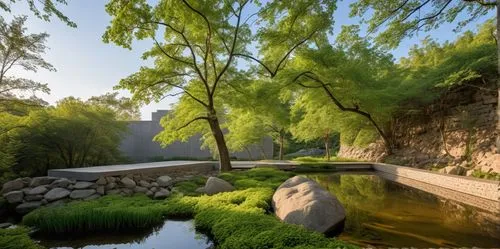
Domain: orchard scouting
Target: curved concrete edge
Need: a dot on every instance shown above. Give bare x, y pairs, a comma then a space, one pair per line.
487, 189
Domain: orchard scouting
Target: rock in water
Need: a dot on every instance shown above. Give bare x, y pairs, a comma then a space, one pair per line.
216, 185
304, 202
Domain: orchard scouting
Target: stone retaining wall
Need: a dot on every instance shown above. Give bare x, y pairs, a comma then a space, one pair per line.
457, 129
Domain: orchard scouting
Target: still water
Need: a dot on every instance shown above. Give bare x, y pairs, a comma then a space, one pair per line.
382, 213
173, 234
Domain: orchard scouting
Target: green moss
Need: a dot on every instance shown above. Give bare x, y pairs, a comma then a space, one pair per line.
486, 175
17, 238
189, 187
238, 219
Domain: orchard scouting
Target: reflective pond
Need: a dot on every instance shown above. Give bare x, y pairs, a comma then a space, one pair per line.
382, 213
173, 234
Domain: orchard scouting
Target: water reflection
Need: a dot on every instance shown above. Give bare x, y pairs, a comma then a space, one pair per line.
171, 235
383, 213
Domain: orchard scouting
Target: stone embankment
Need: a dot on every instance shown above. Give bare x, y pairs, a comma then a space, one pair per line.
27, 194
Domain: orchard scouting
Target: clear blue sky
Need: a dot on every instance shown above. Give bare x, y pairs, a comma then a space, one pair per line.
88, 67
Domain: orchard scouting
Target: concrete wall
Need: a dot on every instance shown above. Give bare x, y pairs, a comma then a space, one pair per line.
138, 144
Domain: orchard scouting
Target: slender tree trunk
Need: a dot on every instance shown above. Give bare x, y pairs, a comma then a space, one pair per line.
498, 78
224, 160
282, 145
327, 146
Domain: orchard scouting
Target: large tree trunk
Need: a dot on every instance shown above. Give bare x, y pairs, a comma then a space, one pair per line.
224, 160
498, 77
282, 146
327, 146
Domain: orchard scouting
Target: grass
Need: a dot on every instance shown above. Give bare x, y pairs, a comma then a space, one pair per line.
17, 238
486, 175
238, 219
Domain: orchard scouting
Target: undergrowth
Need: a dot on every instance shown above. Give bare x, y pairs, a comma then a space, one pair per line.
238, 219
17, 238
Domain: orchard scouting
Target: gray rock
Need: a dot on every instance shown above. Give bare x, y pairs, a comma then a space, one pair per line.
154, 184
164, 181
154, 189
127, 191
33, 197
469, 172
56, 194
14, 196
110, 186
304, 202
162, 194
139, 189
92, 197
200, 190
84, 185
16, 184
101, 181
57, 203
26, 181
110, 179
60, 183
100, 190
149, 193
5, 225
128, 183
81, 193
44, 202
145, 184
28, 207
42, 180
216, 185
113, 192
40, 190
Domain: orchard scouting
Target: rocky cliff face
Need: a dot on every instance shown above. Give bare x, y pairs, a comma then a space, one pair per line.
457, 129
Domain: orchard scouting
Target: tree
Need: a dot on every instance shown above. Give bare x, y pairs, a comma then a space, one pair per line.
43, 9
404, 18
196, 49
18, 49
123, 107
354, 76
314, 120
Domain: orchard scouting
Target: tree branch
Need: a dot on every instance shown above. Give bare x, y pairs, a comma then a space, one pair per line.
193, 120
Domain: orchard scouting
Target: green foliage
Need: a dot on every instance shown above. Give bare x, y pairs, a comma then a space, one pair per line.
123, 107
401, 19
41, 9
20, 51
486, 175
365, 137
72, 134
17, 238
189, 187
109, 213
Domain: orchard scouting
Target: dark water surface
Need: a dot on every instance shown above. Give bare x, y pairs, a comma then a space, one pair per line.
173, 234
382, 213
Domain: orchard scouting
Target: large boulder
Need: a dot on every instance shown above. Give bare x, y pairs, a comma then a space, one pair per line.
216, 185
302, 201
81, 193
162, 194
165, 181
14, 196
56, 194
16, 184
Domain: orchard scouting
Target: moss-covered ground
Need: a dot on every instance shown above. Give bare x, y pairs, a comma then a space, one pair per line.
238, 219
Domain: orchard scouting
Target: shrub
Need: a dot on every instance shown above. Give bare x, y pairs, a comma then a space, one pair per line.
17, 238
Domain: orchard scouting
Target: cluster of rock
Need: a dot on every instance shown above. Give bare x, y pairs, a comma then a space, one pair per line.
302, 201
28, 194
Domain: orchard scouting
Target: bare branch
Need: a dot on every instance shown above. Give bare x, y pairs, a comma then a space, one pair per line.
193, 120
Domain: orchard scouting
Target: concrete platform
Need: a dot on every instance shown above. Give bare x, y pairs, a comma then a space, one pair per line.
93, 173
